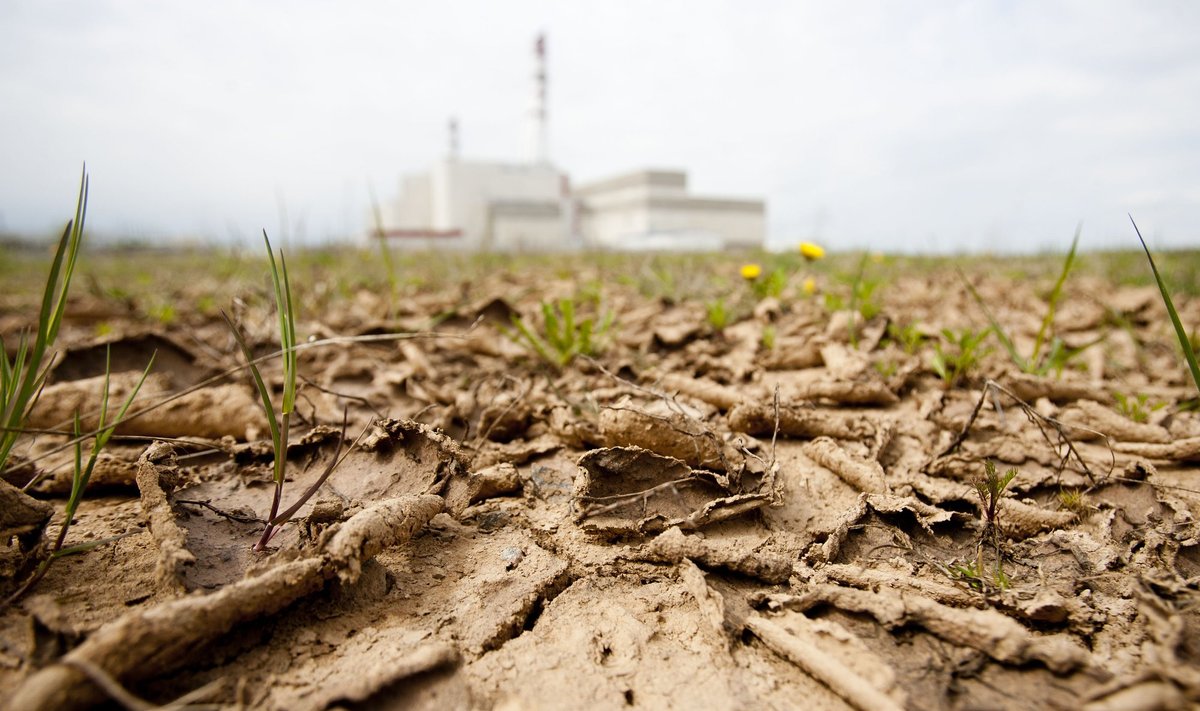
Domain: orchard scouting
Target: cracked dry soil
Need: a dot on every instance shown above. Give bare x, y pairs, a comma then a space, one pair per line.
691, 520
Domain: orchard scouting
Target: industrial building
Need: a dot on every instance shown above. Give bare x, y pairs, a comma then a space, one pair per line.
471, 205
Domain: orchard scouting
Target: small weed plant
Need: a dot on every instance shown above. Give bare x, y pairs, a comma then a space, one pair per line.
909, 337
886, 368
716, 313
564, 333
1076, 502
1185, 343
1137, 407
1049, 353
279, 425
769, 335
81, 475
385, 253
22, 377
990, 490
954, 363
863, 300
765, 285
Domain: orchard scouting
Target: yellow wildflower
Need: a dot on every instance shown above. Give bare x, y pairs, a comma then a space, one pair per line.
811, 252
809, 286
751, 271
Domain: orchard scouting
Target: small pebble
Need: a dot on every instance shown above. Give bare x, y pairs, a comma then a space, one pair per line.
512, 557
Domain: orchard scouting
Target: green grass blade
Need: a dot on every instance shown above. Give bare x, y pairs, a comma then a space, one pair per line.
13, 371
1005, 341
535, 342
1052, 301
105, 433
48, 306
1184, 342
287, 325
74, 243
263, 394
567, 308
289, 343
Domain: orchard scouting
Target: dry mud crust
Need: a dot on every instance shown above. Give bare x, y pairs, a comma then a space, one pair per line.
693, 520
630, 490
157, 639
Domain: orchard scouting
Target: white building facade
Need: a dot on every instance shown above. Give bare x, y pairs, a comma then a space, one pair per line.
472, 205
483, 206
652, 210
479, 206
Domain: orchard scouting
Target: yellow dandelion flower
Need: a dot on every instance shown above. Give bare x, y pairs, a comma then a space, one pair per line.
751, 271
811, 252
809, 286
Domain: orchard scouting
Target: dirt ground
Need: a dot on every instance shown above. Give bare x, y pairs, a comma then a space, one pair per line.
778, 511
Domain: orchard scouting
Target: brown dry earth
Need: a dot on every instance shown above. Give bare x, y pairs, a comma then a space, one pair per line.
691, 521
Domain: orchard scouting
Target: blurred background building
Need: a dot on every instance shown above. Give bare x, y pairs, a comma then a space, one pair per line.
472, 205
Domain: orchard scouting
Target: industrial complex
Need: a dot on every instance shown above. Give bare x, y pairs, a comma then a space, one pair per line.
471, 205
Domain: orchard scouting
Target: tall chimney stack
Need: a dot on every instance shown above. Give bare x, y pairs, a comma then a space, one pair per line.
538, 149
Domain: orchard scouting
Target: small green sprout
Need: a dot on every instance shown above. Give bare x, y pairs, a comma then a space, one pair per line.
909, 336
1049, 352
863, 299
163, 312
385, 252
1138, 407
953, 365
771, 284
974, 576
82, 474
768, 337
717, 314
564, 334
886, 368
279, 426
1076, 502
991, 490
22, 378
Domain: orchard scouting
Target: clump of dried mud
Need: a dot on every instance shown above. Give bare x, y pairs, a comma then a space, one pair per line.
694, 519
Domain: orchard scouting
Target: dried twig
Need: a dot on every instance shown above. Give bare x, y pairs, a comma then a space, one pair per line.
1059, 440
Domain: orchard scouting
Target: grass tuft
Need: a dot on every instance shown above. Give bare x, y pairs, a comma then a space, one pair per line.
1049, 352
82, 474
564, 335
22, 378
279, 425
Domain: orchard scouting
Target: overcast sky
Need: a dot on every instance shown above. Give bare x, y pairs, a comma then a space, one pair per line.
885, 125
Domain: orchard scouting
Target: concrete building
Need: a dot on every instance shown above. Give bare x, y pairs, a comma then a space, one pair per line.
652, 210
473, 205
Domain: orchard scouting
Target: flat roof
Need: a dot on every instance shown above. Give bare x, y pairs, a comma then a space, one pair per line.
663, 178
